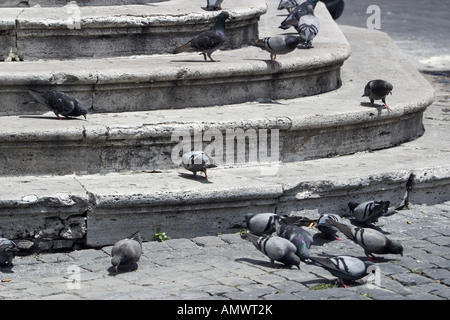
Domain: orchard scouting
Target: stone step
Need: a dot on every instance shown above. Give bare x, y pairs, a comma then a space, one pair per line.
61, 3
96, 210
336, 123
60, 212
151, 82
73, 32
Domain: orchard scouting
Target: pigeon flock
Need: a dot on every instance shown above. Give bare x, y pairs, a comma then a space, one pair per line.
280, 238
271, 234
300, 16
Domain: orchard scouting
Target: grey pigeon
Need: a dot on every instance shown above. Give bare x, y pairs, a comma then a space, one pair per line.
280, 44
59, 102
346, 268
197, 161
127, 252
213, 5
8, 251
289, 5
369, 211
276, 248
209, 40
300, 237
294, 16
378, 90
372, 241
308, 26
260, 223
328, 231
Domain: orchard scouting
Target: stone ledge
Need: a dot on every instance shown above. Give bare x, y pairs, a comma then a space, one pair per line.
141, 83
73, 32
111, 206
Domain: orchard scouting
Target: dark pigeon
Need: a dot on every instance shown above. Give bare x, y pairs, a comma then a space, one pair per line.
372, 241
328, 231
127, 252
209, 40
197, 161
59, 102
300, 237
345, 268
280, 44
378, 90
275, 248
8, 251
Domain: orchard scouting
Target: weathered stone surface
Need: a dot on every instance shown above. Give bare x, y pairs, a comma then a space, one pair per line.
73, 31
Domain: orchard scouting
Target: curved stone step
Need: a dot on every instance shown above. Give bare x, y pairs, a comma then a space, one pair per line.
95, 210
141, 83
74, 32
336, 123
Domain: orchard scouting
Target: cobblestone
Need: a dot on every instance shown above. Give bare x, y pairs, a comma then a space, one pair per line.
225, 267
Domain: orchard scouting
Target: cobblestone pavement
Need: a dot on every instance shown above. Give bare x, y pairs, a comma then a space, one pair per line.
228, 267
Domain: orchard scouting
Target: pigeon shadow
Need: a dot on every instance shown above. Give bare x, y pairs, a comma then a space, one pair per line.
319, 240
365, 225
113, 272
376, 106
7, 269
191, 177
50, 118
196, 61
262, 263
268, 63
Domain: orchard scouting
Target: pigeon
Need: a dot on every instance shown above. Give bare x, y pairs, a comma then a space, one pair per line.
280, 44
369, 211
213, 5
288, 4
59, 102
197, 161
346, 268
372, 241
308, 27
300, 237
8, 251
378, 90
294, 17
328, 231
209, 40
126, 252
276, 248
260, 223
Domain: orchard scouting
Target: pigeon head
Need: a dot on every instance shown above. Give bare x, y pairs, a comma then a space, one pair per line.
116, 260
291, 259
352, 205
224, 15
389, 87
395, 247
83, 110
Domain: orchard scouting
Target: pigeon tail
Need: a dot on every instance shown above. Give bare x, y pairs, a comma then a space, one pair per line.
182, 48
